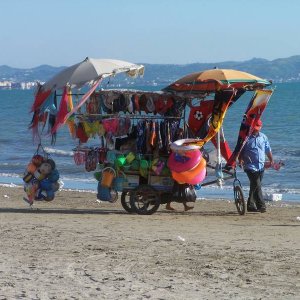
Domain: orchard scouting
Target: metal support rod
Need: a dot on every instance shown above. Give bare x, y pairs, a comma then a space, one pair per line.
215, 181
126, 116
219, 147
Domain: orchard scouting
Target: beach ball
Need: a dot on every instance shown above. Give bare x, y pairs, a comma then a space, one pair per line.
53, 176
37, 160
55, 186
45, 184
31, 168
50, 195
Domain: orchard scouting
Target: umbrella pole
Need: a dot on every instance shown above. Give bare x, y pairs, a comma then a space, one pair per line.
218, 170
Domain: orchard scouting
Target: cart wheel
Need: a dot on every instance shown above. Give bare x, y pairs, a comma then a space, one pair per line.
239, 200
125, 201
144, 200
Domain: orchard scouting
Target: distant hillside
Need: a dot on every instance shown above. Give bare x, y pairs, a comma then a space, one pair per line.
41, 73
278, 70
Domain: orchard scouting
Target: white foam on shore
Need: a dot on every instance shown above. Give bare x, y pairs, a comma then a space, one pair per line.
11, 185
80, 191
58, 152
10, 175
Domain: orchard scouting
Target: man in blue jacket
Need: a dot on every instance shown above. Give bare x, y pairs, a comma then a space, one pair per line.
252, 159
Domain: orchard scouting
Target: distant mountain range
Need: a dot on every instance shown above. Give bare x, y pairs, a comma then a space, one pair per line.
278, 70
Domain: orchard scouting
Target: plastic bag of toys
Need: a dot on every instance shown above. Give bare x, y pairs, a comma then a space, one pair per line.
40, 178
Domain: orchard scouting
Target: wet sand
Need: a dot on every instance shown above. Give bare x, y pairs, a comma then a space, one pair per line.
76, 248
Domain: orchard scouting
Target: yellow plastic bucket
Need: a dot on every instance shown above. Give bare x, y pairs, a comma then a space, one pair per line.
108, 175
130, 157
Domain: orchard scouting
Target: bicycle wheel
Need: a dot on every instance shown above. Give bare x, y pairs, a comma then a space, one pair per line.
144, 200
125, 201
239, 199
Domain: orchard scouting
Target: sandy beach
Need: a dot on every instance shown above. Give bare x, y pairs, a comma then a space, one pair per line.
76, 248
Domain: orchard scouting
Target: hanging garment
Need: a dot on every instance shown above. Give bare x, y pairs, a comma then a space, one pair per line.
141, 137
62, 111
199, 115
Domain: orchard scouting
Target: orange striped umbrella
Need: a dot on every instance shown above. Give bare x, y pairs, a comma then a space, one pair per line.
215, 79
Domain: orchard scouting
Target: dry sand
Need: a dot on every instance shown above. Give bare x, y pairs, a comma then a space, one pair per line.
76, 248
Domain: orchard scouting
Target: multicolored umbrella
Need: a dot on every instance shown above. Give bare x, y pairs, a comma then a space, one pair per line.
216, 79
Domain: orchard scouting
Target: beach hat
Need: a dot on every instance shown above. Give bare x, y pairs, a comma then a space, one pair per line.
120, 103
162, 104
130, 107
258, 125
143, 103
136, 103
150, 105
108, 102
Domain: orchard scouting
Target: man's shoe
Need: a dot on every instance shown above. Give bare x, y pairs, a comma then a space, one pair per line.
252, 209
263, 210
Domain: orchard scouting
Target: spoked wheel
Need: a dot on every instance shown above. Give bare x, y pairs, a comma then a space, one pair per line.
239, 199
144, 200
125, 201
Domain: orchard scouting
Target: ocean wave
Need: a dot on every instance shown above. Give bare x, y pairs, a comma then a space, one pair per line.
10, 164
288, 152
78, 179
80, 191
58, 152
14, 175
5, 141
10, 185
289, 191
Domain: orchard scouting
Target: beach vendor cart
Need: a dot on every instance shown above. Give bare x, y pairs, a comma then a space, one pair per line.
216, 91
150, 144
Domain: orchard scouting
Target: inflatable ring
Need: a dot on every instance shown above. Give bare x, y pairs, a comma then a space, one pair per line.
189, 161
195, 180
178, 146
193, 176
194, 172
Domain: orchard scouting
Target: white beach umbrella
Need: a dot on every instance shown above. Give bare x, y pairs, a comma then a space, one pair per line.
90, 70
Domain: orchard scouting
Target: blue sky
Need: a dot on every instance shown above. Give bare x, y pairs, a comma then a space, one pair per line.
64, 32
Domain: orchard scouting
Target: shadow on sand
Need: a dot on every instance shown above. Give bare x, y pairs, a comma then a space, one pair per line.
95, 211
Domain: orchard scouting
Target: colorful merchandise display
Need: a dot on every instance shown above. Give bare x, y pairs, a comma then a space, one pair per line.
147, 147
40, 178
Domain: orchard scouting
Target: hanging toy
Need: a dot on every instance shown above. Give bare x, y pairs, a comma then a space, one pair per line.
49, 180
35, 162
31, 190
40, 178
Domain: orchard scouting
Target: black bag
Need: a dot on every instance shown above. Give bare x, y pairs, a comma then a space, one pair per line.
183, 192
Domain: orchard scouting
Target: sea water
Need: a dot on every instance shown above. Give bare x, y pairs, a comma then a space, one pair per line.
281, 125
